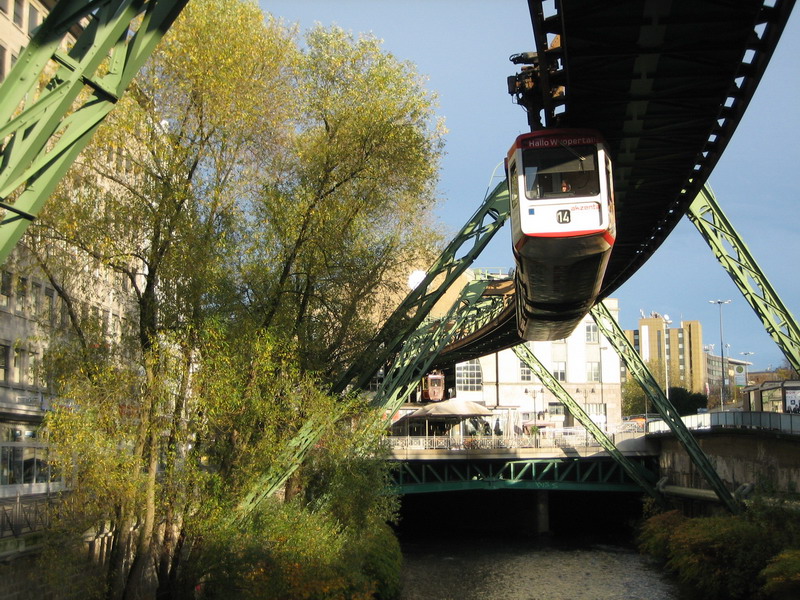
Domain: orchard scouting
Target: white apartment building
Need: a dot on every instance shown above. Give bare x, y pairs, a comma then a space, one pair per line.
585, 364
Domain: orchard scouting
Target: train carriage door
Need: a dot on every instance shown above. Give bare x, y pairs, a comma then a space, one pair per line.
609, 191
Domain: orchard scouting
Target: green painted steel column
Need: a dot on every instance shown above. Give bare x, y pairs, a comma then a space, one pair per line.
609, 327
404, 321
52, 101
635, 471
732, 253
459, 254
470, 310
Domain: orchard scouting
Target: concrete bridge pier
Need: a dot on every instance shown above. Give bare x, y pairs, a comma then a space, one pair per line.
542, 512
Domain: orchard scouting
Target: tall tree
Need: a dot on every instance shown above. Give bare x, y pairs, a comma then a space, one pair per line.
348, 216
261, 203
158, 200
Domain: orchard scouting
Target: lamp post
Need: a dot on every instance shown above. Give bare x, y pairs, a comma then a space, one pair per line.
721, 354
746, 370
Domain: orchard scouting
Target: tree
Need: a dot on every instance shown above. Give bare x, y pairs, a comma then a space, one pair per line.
344, 220
686, 402
634, 399
260, 213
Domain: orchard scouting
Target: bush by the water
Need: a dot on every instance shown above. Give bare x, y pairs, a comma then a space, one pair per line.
748, 556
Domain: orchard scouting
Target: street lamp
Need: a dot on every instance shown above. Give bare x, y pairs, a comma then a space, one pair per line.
746, 376
721, 354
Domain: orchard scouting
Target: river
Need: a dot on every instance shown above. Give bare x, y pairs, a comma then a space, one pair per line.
490, 569
481, 546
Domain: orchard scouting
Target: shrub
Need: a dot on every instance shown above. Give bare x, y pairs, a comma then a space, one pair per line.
656, 532
383, 561
721, 557
782, 575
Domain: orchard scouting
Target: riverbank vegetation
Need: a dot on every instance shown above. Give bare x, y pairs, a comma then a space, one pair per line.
752, 556
254, 205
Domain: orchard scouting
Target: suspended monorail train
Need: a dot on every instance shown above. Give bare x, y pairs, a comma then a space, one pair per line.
433, 387
563, 227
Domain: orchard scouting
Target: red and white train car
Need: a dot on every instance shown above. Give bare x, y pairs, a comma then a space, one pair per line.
563, 227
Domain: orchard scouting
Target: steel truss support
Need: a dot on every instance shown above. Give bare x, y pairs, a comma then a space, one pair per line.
285, 465
456, 258
53, 100
736, 259
399, 327
576, 474
634, 470
469, 313
609, 327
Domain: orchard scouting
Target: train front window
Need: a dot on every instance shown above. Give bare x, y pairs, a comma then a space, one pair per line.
561, 171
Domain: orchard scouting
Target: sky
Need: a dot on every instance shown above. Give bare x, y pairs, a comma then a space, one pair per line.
462, 47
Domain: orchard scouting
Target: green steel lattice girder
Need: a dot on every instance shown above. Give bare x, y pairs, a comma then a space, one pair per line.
642, 477
454, 260
706, 214
44, 128
609, 327
469, 313
402, 324
549, 474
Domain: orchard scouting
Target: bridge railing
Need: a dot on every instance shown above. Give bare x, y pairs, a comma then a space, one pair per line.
783, 422
558, 438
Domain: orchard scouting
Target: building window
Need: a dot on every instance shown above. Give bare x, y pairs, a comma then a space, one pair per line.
4, 350
560, 370
22, 295
377, 381
592, 371
31, 370
592, 334
33, 19
5, 289
469, 377
2, 62
49, 305
16, 367
4, 6
524, 371
19, 12
596, 409
36, 293
555, 408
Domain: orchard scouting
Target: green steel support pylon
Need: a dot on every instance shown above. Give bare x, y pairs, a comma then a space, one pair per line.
733, 254
53, 100
404, 321
635, 471
609, 327
456, 258
469, 313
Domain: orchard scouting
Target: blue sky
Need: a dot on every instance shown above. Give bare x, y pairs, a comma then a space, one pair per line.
463, 46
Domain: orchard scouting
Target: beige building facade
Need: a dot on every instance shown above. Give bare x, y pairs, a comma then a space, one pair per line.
674, 354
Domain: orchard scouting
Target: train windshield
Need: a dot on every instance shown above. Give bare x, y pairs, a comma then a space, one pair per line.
561, 171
